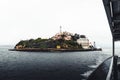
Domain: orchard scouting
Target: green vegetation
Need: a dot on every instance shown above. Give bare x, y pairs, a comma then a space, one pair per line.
51, 43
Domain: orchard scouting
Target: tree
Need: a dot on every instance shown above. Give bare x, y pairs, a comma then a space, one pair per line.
82, 36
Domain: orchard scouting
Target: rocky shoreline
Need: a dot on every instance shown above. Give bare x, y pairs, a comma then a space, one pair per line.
53, 50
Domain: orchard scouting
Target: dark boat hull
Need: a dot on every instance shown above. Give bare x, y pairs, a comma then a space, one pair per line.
106, 70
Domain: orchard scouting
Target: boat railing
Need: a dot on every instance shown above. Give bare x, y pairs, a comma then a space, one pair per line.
103, 71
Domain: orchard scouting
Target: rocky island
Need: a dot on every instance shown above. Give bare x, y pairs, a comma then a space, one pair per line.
62, 41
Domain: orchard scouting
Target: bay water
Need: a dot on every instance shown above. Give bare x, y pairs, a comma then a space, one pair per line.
15, 65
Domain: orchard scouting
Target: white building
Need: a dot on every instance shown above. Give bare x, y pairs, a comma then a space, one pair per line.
67, 36
84, 42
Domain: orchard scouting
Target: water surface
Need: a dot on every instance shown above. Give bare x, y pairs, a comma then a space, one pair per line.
15, 65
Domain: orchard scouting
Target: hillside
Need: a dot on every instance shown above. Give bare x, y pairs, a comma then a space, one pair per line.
64, 40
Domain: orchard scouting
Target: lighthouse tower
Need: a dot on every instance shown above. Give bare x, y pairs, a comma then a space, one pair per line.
60, 29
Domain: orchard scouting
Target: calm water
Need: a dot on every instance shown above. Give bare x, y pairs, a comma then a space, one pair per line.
48, 66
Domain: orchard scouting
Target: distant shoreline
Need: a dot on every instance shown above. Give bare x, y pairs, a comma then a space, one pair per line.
53, 50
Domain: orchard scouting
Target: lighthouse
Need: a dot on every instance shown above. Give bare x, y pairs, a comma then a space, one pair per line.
60, 29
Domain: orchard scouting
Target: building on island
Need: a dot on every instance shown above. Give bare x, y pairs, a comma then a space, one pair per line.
84, 42
19, 47
58, 46
65, 40
65, 35
81, 39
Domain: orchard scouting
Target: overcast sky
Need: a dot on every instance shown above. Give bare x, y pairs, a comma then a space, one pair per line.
26, 19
